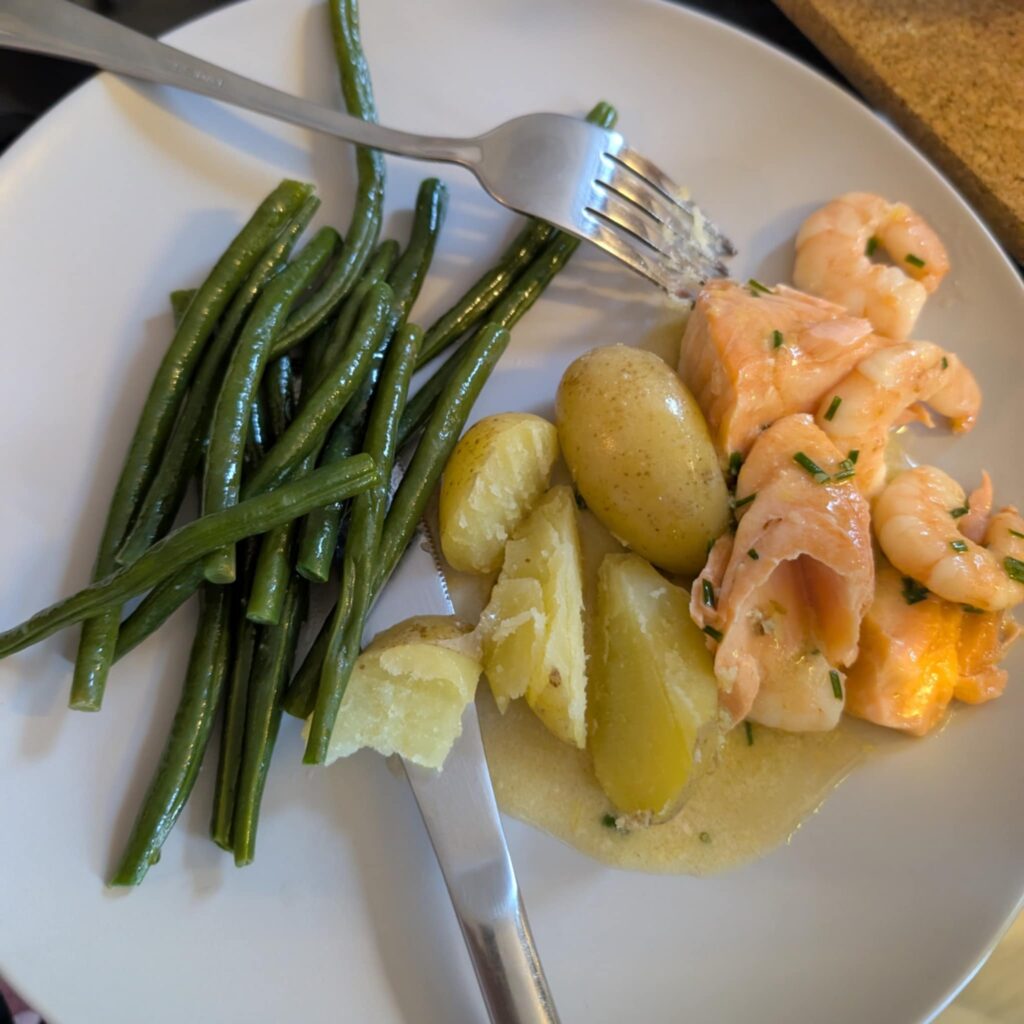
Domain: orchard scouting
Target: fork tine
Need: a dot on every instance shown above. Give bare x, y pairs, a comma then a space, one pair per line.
610, 205
620, 179
677, 245
652, 176
675, 280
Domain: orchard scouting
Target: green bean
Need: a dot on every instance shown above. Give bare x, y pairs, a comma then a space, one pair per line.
270, 668
319, 537
99, 637
366, 218
180, 458
273, 566
194, 540
157, 607
186, 744
257, 435
486, 291
307, 432
517, 301
223, 469
368, 511
300, 696
279, 386
410, 271
439, 437
232, 731
377, 270
181, 298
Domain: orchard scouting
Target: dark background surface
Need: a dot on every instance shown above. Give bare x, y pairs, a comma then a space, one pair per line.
30, 84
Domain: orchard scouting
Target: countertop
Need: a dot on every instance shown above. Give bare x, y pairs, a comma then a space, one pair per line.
950, 75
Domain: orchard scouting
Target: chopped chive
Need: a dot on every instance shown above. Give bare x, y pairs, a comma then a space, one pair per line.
776, 339
853, 455
869, 249
753, 553
735, 462
1016, 533
609, 821
913, 592
945, 363
1014, 569
833, 408
756, 286
708, 592
956, 513
745, 501
970, 609
715, 634
837, 684
914, 261
705, 837
958, 545
846, 472
806, 462
580, 503
749, 730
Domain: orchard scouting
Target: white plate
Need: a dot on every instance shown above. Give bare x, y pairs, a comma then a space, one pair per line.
884, 902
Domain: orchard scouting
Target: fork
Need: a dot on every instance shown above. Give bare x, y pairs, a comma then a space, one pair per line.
581, 178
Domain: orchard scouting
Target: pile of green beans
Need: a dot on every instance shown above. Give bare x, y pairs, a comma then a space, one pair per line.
285, 396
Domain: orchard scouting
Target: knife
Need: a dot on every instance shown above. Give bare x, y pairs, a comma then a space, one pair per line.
461, 815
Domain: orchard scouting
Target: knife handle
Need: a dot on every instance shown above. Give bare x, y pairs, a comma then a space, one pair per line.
497, 933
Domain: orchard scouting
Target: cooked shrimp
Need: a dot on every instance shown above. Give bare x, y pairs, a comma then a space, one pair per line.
833, 261
916, 526
791, 586
858, 413
979, 507
752, 357
908, 667
959, 397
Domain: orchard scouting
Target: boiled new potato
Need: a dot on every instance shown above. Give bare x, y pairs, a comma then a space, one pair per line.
653, 701
496, 474
408, 691
532, 628
639, 451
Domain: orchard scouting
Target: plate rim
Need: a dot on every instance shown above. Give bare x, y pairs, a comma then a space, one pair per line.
53, 120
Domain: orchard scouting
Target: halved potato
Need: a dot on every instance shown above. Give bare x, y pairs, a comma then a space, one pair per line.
653, 698
408, 691
495, 475
532, 628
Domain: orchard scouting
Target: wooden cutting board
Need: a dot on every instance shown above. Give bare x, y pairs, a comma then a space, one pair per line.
950, 74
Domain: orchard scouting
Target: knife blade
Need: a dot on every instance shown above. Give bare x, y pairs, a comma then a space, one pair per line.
461, 817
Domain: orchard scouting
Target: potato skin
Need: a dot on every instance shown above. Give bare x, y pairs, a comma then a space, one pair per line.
641, 456
495, 476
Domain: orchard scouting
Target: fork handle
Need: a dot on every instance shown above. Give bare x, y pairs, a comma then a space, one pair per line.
62, 29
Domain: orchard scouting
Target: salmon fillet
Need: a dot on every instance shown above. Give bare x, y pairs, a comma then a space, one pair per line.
907, 670
745, 376
782, 599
